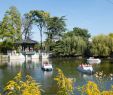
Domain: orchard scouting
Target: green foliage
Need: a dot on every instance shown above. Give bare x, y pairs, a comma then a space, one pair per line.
6, 45
10, 27
65, 85
30, 87
27, 25
11, 24
19, 87
102, 45
57, 48
92, 88
110, 35
55, 30
70, 46
37, 47
73, 43
39, 18
79, 32
55, 26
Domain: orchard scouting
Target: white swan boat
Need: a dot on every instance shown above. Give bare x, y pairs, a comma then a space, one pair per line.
88, 69
92, 60
47, 67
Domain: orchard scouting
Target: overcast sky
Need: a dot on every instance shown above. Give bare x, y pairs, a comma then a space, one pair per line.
94, 15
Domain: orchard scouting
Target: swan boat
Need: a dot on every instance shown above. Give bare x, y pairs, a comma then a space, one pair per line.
47, 67
87, 69
92, 60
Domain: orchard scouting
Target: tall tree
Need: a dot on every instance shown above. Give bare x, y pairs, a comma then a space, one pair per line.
11, 25
12, 20
80, 32
1, 34
27, 23
55, 30
39, 18
55, 26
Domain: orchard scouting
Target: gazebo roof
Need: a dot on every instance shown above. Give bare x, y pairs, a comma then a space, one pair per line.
27, 41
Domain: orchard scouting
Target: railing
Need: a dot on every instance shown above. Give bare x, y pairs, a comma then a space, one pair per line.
28, 52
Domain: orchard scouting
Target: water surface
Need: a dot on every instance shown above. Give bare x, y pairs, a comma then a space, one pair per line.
68, 65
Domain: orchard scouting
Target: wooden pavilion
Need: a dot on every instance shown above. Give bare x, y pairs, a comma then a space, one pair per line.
27, 45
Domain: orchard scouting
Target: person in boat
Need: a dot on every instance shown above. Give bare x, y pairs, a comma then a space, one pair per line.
81, 65
85, 65
46, 63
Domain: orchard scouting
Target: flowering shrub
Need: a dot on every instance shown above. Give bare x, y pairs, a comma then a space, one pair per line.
19, 87
91, 88
65, 85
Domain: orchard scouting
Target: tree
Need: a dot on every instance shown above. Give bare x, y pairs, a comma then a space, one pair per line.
70, 45
102, 45
55, 26
11, 26
27, 25
81, 32
1, 34
55, 30
39, 19
110, 35
12, 23
52, 26
74, 45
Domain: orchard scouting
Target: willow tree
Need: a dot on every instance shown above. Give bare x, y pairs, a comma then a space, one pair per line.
110, 35
102, 45
70, 46
74, 45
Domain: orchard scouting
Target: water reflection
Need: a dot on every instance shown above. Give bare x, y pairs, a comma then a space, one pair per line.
3, 64
9, 69
33, 67
14, 63
47, 74
86, 77
28, 64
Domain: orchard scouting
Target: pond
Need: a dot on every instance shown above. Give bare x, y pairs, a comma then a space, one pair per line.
68, 65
